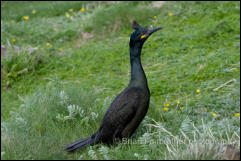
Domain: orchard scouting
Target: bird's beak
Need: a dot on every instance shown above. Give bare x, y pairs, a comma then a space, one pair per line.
150, 31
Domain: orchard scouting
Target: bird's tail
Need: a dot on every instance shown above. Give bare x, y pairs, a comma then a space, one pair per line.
80, 144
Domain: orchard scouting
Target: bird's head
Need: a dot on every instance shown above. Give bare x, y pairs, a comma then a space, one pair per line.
141, 34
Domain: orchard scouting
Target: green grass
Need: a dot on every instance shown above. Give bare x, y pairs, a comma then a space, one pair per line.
198, 48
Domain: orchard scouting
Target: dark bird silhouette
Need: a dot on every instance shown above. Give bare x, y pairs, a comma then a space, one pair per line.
130, 106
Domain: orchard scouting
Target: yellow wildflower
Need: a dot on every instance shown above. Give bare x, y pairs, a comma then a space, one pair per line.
67, 15
178, 102
198, 91
214, 114
181, 108
48, 44
154, 17
25, 17
14, 40
167, 105
237, 115
34, 12
82, 9
165, 109
170, 14
157, 109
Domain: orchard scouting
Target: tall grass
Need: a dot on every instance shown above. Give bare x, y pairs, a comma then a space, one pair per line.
47, 121
56, 116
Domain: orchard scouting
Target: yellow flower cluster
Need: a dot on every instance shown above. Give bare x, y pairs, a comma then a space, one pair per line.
27, 17
166, 107
170, 14
72, 10
34, 12
67, 14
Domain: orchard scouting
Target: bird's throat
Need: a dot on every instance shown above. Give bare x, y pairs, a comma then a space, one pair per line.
138, 77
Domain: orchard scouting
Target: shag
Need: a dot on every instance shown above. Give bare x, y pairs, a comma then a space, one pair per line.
130, 106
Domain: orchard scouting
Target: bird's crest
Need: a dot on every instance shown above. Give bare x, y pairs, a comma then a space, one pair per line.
135, 25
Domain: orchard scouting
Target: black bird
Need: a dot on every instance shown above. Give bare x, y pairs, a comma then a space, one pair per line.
130, 106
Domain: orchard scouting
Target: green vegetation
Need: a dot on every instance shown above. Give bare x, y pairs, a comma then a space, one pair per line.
53, 94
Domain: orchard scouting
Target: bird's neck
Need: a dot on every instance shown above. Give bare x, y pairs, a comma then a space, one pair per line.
138, 77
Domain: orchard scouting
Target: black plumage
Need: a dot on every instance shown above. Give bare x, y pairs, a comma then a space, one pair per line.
130, 106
